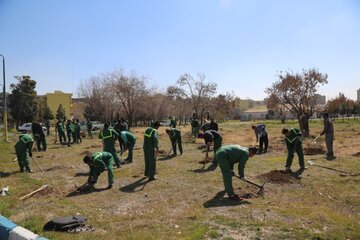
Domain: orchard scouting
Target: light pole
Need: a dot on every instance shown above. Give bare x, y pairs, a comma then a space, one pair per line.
5, 105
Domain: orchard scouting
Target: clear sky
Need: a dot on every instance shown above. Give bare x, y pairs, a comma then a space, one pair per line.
239, 44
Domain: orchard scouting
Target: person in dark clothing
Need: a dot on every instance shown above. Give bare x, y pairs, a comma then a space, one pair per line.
213, 125
68, 131
293, 144
36, 128
175, 138
261, 134
47, 125
212, 137
172, 123
151, 148
78, 131
195, 127
119, 127
329, 136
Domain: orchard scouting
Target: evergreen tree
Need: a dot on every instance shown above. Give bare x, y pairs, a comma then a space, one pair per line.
48, 114
60, 113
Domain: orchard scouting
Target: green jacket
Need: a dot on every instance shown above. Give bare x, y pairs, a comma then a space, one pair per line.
174, 134
294, 137
60, 126
100, 160
25, 143
127, 138
236, 154
109, 137
151, 138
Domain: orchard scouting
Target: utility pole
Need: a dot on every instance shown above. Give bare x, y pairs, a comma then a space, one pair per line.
5, 104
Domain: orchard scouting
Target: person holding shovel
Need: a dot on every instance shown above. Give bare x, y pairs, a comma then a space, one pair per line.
151, 148
212, 137
98, 163
293, 143
23, 148
175, 138
109, 137
128, 140
261, 134
226, 156
329, 136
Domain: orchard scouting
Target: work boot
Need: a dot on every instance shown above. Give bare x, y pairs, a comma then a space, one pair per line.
29, 170
152, 179
303, 168
235, 197
22, 170
109, 186
288, 170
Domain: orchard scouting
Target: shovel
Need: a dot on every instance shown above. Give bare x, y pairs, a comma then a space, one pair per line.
261, 187
37, 164
314, 141
330, 168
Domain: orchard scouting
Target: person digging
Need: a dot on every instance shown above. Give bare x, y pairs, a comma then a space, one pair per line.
23, 148
293, 143
175, 138
98, 163
128, 140
212, 137
109, 137
226, 156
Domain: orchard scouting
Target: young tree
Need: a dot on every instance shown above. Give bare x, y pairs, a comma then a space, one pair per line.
199, 91
60, 113
296, 92
22, 102
341, 105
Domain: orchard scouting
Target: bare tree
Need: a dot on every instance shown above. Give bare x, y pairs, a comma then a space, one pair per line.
296, 92
199, 91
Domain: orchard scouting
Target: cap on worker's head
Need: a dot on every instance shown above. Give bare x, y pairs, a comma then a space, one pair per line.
156, 124
284, 130
253, 150
87, 159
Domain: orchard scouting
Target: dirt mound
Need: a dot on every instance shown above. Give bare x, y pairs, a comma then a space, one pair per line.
278, 177
313, 151
356, 154
87, 152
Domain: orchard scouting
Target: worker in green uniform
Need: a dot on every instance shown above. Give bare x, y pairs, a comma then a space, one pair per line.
23, 148
89, 128
195, 126
60, 131
175, 138
68, 131
151, 148
212, 137
231, 154
73, 131
128, 140
293, 143
98, 162
78, 131
109, 137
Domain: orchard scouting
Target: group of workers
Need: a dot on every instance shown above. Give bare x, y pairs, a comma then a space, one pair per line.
224, 156
72, 129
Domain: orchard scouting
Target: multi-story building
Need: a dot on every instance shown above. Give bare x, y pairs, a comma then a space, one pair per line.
53, 101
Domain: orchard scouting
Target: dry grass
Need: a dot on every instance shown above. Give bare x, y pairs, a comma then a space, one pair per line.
187, 202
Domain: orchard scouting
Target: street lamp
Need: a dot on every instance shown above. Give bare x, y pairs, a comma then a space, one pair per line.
5, 105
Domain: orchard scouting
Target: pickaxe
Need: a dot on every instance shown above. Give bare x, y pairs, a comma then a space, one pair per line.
172, 145
330, 168
206, 157
261, 187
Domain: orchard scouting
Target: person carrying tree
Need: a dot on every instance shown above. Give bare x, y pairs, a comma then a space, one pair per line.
175, 138
151, 148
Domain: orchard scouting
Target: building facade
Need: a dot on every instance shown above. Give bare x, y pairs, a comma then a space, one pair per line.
53, 101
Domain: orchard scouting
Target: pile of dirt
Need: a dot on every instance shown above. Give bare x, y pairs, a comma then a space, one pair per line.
278, 177
313, 149
87, 152
356, 154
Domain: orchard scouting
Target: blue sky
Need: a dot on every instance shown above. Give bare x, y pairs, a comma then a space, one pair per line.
241, 45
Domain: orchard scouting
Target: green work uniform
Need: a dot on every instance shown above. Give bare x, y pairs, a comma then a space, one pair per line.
213, 136
61, 132
227, 156
150, 146
89, 128
175, 137
22, 147
172, 123
78, 132
294, 143
109, 137
98, 163
129, 141
73, 132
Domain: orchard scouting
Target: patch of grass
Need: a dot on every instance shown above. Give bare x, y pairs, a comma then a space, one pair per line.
197, 231
213, 234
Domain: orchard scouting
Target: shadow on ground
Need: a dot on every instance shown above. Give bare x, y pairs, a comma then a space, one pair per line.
86, 191
219, 201
135, 186
81, 174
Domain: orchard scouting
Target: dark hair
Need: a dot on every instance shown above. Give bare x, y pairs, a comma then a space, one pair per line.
167, 130
156, 124
87, 159
106, 125
253, 126
326, 115
253, 149
284, 130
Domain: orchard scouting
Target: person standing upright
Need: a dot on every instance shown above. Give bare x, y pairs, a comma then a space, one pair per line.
36, 128
261, 134
329, 136
68, 131
151, 148
109, 137
89, 128
61, 132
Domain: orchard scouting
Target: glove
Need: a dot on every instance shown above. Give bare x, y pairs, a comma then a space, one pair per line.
30, 154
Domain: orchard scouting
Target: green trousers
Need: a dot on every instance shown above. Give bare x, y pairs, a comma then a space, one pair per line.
217, 145
112, 150
131, 150
225, 167
150, 162
94, 172
22, 159
299, 150
175, 142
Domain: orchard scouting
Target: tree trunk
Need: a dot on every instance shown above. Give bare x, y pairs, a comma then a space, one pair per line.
304, 125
